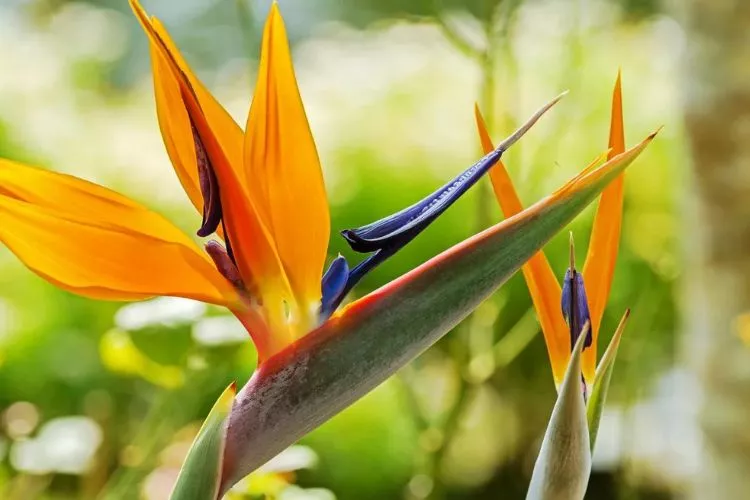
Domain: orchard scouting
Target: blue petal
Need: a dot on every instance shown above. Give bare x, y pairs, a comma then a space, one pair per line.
575, 306
395, 231
385, 237
360, 270
333, 286
400, 228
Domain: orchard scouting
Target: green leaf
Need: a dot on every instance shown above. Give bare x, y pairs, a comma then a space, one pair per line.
562, 469
602, 379
163, 344
200, 475
312, 380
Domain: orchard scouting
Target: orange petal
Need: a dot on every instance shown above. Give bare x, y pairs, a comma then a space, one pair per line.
176, 131
541, 280
228, 133
83, 200
94, 242
282, 161
174, 120
505, 193
254, 248
599, 268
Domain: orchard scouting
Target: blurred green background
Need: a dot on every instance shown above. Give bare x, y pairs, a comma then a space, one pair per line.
101, 400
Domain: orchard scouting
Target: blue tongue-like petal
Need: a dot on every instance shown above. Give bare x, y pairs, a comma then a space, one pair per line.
386, 236
398, 229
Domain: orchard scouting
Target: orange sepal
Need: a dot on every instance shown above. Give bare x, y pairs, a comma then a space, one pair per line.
540, 278
174, 120
282, 161
94, 242
599, 267
175, 128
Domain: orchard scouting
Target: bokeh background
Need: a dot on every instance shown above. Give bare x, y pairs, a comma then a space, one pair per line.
101, 400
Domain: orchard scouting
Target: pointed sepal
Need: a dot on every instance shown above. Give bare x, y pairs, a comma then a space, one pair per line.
601, 381
200, 476
599, 268
562, 469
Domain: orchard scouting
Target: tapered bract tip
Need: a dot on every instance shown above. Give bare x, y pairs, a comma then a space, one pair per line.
513, 138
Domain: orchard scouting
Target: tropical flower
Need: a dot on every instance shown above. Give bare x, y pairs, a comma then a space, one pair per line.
563, 313
260, 192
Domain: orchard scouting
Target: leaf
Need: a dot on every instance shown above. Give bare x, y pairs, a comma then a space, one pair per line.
602, 379
164, 344
121, 355
562, 469
312, 380
201, 472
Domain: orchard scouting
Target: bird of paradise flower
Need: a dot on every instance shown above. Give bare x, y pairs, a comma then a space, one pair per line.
261, 192
562, 313
570, 322
565, 313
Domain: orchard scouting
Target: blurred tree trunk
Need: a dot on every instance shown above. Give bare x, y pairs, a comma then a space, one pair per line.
717, 116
